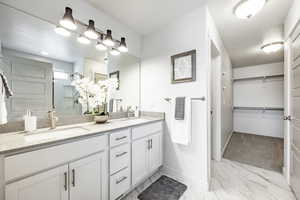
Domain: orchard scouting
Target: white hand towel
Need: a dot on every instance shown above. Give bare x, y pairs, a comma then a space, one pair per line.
3, 111
181, 130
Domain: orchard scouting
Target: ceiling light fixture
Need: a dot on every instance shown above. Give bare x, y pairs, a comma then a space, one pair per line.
83, 40
62, 31
123, 46
91, 32
272, 47
44, 53
248, 8
108, 39
114, 52
68, 21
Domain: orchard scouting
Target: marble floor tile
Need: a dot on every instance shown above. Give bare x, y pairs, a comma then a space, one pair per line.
235, 181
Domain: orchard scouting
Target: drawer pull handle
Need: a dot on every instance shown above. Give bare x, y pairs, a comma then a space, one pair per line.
121, 154
66, 181
121, 138
73, 177
148, 144
121, 180
119, 197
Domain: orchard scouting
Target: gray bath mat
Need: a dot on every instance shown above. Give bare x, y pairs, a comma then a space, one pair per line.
164, 188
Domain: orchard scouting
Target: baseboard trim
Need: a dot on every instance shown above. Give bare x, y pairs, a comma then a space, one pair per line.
227, 142
191, 182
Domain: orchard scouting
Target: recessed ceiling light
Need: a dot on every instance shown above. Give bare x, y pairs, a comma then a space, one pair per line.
44, 53
62, 31
248, 8
272, 47
83, 40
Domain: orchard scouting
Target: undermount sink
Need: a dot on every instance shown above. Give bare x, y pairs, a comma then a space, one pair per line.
47, 134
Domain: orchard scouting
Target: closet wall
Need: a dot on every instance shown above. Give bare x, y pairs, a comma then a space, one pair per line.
258, 99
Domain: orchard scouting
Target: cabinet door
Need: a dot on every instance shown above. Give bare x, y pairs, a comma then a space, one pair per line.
88, 178
140, 157
49, 185
155, 152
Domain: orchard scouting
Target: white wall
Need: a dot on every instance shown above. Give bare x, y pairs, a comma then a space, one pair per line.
192, 163
292, 18
225, 102
259, 93
92, 66
0, 49
129, 74
185, 33
53, 11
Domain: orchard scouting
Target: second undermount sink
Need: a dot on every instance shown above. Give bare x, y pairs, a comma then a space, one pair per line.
48, 134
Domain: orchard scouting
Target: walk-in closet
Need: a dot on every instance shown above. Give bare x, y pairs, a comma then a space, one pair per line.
258, 102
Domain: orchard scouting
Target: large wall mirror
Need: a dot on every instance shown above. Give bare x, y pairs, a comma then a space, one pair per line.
41, 67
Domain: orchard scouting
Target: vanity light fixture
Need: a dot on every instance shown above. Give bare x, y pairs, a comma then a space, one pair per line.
108, 39
100, 46
91, 32
114, 52
44, 53
272, 47
68, 21
83, 40
248, 8
68, 26
62, 31
123, 46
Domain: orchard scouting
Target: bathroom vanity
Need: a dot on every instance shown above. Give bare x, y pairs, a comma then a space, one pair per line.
82, 161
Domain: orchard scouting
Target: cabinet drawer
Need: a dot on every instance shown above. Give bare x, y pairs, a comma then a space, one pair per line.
25, 164
119, 184
119, 158
145, 130
119, 137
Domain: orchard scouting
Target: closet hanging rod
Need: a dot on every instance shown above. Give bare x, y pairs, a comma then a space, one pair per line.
258, 77
258, 108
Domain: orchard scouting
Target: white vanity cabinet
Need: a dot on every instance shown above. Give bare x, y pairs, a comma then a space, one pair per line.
146, 151
81, 173
49, 185
87, 178
105, 167
82, 179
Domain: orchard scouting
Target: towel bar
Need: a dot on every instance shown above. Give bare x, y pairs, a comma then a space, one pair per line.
168, 99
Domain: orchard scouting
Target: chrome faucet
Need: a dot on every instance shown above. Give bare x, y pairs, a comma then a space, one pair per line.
52, 119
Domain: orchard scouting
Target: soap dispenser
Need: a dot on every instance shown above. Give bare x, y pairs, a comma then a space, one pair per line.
29, 122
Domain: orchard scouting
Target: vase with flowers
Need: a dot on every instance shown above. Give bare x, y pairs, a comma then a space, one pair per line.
94, 96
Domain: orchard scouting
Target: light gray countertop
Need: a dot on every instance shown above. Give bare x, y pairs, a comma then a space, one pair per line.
14, 142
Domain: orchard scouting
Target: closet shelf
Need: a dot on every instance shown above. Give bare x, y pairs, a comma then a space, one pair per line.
258, 108
258, 77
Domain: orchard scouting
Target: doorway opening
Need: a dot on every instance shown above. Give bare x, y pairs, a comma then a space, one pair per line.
215, 102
